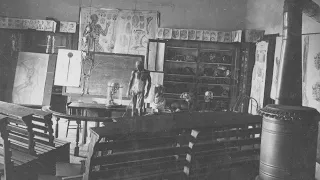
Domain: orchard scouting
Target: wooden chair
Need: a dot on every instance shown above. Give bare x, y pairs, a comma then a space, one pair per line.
14, 164
72, 126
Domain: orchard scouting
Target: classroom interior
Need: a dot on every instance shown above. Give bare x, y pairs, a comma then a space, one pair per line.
159, 89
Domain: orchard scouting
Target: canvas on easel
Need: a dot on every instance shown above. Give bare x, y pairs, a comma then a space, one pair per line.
33, 79
68, 68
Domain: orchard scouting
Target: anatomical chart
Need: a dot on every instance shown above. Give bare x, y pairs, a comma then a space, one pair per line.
30, 78
276, 66
68, 68
134, 29
97, 29
311, 71
117, 31
259, 78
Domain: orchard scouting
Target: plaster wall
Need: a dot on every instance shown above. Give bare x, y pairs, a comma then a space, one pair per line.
197, 14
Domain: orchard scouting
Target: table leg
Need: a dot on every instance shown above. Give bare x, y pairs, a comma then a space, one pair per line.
57, 127
84, 132
76, 149
84, 128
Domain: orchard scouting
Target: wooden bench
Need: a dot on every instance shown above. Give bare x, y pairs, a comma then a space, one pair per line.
45, 118
14, 165
36, 128
222, 145
174, 146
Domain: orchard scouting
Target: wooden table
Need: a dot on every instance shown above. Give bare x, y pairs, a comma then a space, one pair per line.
80, 110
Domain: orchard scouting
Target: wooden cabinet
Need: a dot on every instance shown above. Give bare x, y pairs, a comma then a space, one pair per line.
197, 67
48, 42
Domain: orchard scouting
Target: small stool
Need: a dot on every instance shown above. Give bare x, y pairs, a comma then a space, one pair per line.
71, 126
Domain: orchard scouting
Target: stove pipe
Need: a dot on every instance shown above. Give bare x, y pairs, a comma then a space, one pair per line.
290, 85
290, 71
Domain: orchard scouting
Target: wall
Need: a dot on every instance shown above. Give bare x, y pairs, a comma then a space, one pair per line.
267, 15
198, 14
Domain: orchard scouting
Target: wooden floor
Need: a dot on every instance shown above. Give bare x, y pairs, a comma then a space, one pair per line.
74, 167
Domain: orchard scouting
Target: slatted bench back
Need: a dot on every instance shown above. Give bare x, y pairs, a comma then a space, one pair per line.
157, 147
19, 127
42, 127
149, 153
28, 128
220, 148
5, 153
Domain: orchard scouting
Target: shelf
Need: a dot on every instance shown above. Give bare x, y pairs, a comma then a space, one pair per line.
180, 75
173, 94
225, 64
175, 98
173, 61
178, 82
205, 84
211, 77
225, 97
172, 47
216, 50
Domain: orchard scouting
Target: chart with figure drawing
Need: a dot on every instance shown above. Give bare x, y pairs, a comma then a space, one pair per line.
116, 31
68, 69
30, 78
101, 70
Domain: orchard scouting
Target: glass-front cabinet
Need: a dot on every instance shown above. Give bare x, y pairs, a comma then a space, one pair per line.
197, 67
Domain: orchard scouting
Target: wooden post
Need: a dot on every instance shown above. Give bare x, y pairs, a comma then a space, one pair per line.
76, 149
49, 123
28, 122
57, 126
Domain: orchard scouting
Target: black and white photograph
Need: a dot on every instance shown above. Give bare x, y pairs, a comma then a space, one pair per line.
159, 89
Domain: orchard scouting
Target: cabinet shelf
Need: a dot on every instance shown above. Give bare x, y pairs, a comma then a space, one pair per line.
184, 75
208, 84
225, 64
218, 97
211, 77
179, 82
174, 47
215, 50
174, 94
173, 61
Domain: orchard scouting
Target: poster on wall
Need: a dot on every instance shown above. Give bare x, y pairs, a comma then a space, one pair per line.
96, 31
167, 33
311, 71
33, 78
116, 31
140, 27
68, 68
175, 34
276, 66
305, 50
258, 77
